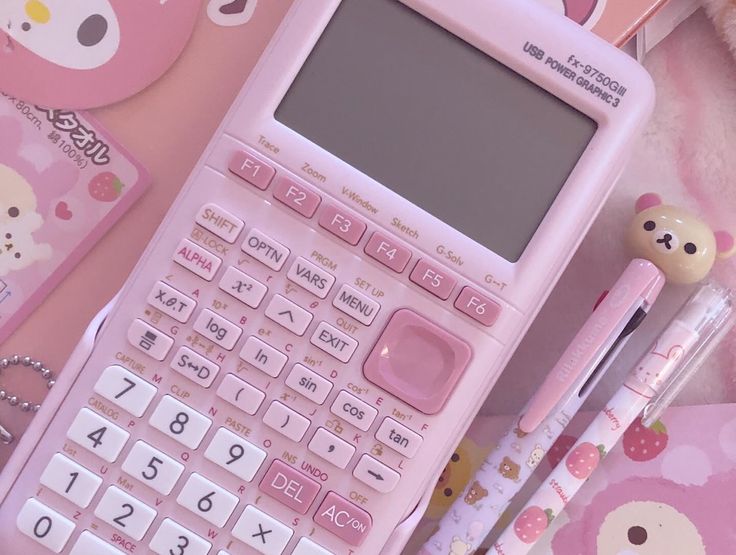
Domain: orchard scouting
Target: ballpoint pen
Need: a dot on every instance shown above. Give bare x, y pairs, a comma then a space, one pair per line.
670, 362
503, 474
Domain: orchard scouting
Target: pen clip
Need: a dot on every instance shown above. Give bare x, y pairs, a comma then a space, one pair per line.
638, 285
717, 328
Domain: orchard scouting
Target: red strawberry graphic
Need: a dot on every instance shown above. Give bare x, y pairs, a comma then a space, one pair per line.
560, 448
106, 187
532, 523
584, 459
643, 444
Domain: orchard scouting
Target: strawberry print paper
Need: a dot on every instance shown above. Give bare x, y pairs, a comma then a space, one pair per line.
63, 183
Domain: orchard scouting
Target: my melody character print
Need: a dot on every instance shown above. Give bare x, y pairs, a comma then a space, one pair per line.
585, 12
86, 54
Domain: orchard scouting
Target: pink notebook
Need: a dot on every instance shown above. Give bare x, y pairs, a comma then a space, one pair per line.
671, 491
63, 183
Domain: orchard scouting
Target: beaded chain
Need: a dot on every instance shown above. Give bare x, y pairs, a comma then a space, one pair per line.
14, 400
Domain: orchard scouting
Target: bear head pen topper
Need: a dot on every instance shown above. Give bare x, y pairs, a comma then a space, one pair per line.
87, 53
680, 244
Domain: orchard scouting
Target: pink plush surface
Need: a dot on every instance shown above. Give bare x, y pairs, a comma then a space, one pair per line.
687, 156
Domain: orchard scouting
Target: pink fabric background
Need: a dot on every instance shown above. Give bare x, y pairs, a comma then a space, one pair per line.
684, 156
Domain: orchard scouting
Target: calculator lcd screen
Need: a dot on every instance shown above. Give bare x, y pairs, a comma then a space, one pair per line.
438, 121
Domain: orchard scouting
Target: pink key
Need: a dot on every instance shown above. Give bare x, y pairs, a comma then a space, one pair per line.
339, 516
290, 487
417, 361
296, 196
342, 224
252, 168
388, 252
478, 306
434, 279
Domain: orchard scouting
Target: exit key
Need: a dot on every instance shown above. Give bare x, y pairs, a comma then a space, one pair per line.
290, 487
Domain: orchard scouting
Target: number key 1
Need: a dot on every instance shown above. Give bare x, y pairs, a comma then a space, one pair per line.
71, 480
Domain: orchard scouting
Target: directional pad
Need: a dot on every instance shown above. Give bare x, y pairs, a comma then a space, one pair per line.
417, 361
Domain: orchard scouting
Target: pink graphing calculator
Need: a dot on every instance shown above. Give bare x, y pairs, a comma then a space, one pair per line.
336, 289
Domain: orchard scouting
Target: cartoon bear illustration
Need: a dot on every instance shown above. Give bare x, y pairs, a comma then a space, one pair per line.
681, 245
17, 198
584, 12
18, 220
653, 516
91, 53
535, 457
459, 547
455, 476
509, 469
475, 493
18, 249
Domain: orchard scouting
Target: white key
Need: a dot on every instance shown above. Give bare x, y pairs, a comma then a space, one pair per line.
152, 467
331, 448
148, 339
125, 513
44, 525
208, 500
220, 222
194, 366
243, 287
264, 249
97, 435
71, 480
310, 384
180, 422
263, 533
217, 329
240, 394
399, 438
264, 357
354, 411
308, 547
235, 455
311, 277
89, 544
355, 304
376, 475
196, 259
286, 421
174, 538
289, 315
128, 391
171, 302
334, 342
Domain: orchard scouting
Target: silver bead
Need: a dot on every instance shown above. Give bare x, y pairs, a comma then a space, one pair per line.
26, 361
37, 366
3, 394
4, 363
45, 373
15, 360
51, 384
36, 408
13, 400
25, 406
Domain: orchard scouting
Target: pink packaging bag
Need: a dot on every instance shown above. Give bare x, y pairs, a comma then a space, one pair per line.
664, 491
63, 183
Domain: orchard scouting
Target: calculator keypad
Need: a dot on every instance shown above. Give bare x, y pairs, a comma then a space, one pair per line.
243, 400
